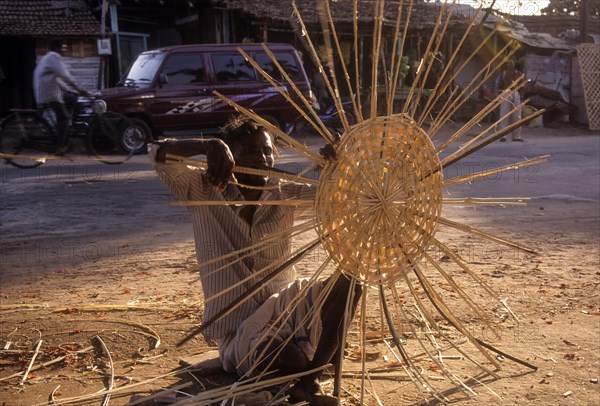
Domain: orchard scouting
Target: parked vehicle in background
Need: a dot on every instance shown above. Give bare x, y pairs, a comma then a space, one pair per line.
170, 91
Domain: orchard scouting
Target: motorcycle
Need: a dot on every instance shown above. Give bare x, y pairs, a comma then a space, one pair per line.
330, 116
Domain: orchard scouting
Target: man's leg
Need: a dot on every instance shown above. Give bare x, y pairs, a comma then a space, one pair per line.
516, 116
62, 126
504, 109
332, 319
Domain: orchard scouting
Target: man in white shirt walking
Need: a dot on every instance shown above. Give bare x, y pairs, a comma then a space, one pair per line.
51, 79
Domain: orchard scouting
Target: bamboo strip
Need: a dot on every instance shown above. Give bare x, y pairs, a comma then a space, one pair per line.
433, 55
478, 80
496, 136
328, 29
377, 28
395, 65
488, 236
320, 128
447, 81
33, 357
111, 382
52, 399
290, 202
362, 330
419, 82
343, 66
428, 321
274, 130
437, 301
463, 264
315, 56
294, 231
476, 119
437, 360
435, 95
152, 397
244, 280
45, 364
347, 318
357, 59
125, 307
479, 312
279, 322
474, 201
513, 87
241, 387
23, 306
151, 332
417, 377
228, 309
490, 172
269, 172
83, 398
452, 105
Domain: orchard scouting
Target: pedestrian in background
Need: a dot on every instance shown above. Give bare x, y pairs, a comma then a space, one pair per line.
510, 99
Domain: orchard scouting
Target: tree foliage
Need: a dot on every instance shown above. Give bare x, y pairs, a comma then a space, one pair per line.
570, 7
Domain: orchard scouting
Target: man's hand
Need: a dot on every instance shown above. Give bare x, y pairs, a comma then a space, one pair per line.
220, 162
328, 151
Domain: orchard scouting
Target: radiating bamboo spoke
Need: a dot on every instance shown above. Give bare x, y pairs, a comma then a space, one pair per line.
287, 202
491, 172
472, 230
269, 172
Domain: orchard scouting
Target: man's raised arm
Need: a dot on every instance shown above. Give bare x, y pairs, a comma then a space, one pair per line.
218, 156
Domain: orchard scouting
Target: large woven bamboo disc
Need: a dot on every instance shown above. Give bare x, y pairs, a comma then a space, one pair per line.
379, 202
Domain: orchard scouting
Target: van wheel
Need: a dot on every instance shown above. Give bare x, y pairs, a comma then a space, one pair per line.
135, 134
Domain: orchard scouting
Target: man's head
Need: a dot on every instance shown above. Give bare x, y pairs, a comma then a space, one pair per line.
58, 45
251, 146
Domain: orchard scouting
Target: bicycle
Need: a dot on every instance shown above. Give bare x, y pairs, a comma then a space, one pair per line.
24, 133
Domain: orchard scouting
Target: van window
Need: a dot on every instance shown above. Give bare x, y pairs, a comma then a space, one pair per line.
143, 69
285, 59
232, 68
184, 68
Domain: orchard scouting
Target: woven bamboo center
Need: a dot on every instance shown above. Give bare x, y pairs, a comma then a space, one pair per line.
379, 202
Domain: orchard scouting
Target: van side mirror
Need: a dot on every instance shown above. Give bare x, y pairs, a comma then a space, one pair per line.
162, 79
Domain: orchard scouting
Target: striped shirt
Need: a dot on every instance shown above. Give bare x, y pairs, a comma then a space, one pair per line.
219, 230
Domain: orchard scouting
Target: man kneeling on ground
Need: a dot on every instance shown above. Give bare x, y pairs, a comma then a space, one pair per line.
296, 345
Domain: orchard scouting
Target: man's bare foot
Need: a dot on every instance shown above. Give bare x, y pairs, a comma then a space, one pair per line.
310, 392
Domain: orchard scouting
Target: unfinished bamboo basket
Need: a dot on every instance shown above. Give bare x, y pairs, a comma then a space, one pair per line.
378, 205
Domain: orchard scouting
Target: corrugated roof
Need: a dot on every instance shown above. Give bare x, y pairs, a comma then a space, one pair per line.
423, 14
518, 31
47, 18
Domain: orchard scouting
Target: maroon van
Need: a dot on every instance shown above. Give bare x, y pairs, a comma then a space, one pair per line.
169, 91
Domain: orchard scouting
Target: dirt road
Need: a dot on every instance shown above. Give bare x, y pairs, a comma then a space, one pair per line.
90, 250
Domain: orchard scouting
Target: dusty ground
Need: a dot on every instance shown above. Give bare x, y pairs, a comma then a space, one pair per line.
93, 259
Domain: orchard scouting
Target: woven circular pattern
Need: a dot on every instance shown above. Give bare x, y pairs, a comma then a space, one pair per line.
379, 202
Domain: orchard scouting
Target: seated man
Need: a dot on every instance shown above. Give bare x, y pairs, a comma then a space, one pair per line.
223, 229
